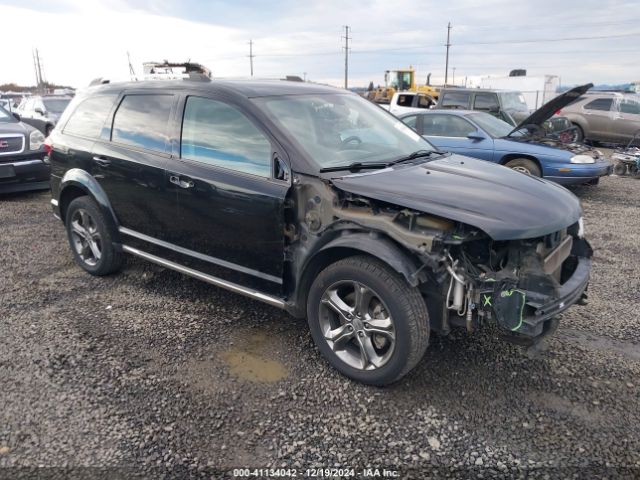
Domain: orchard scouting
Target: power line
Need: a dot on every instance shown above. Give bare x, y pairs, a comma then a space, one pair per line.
406, 48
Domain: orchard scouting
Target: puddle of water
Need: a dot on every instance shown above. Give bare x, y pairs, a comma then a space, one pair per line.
248, 361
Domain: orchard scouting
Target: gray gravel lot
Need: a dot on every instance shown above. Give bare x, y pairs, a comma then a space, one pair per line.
150, 373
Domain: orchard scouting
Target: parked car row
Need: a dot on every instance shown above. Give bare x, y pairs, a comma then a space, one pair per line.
526, 148
316, 201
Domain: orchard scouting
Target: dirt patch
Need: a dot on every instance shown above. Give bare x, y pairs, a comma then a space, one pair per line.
248, 360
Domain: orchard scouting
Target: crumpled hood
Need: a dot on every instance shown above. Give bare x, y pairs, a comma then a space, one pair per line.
505, 204
547, 110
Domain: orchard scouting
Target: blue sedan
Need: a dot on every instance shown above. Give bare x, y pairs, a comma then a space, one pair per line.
481, 135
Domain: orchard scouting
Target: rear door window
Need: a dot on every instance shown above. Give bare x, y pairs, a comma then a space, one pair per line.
456, 100
142, 121
603, 104
218, 134
89, 117
446, 126
486, 102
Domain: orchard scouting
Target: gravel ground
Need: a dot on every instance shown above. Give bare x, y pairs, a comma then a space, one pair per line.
150, 374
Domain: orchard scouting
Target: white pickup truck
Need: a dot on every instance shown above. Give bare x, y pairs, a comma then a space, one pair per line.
403, 102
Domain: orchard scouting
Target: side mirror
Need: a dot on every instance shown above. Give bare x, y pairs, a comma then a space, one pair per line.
494, 109
39, 110
477, 136
16, 116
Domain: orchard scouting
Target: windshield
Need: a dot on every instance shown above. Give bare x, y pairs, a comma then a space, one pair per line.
493, 126
6, 117
340, 129
55, 105
514, 101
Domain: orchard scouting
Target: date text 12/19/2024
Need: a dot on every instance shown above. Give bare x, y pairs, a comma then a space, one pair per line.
372, 472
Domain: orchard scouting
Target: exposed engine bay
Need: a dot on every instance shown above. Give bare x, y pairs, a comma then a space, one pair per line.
466, 277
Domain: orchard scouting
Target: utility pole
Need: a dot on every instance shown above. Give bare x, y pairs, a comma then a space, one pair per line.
38, 67
448, 44
35, 67
453, 79
304, 76
132, 72
346, 56
251, 55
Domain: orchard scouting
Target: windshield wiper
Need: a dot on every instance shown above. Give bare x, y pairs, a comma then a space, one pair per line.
416, 154
354, 167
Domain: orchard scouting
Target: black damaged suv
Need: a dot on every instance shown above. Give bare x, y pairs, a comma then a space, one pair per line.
316, 201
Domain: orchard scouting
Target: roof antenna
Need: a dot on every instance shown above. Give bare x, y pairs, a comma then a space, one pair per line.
132, 72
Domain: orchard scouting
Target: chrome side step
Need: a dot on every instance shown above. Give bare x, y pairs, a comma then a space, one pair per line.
218, 282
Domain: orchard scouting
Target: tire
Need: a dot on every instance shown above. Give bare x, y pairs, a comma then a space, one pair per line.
393, 307
579, 136
594, 181
619, 169
97, 256
524, 165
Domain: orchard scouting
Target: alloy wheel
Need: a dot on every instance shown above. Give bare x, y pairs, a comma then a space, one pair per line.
357, 325
87, 241
521, 169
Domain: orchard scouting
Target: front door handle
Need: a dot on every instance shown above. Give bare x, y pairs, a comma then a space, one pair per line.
103, 162
176, 180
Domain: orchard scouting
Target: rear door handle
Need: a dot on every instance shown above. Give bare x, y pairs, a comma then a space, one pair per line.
176, 180
103, 162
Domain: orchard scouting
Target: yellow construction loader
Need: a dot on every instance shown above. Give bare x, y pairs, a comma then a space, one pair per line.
402, 80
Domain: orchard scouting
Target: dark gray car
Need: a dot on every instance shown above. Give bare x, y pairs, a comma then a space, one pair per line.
509, 106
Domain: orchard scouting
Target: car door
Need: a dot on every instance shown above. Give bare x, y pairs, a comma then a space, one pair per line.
599, 115
451, 133
626, 122
129, 161
39, 115
26, 112
229, 183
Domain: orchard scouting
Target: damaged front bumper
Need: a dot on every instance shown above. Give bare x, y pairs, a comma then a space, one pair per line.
524, 306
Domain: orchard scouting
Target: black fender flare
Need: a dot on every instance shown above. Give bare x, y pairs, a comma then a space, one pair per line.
83, 180
384, 249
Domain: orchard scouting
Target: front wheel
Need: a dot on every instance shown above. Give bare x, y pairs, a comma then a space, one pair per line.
579, 133
524, 165
367, 321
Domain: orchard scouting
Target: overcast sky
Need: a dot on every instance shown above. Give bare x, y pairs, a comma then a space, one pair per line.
78, 40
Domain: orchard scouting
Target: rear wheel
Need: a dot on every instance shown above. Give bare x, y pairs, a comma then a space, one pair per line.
525, 165
367, 321
90, 238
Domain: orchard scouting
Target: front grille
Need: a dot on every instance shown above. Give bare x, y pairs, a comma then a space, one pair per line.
11, 144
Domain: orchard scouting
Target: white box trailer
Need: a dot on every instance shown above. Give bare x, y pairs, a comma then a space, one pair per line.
536, 90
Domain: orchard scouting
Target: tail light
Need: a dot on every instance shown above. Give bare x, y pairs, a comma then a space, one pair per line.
558, 112
48, 146
48, 150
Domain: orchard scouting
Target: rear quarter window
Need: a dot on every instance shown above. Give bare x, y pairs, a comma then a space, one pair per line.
90, 116
603, 104
142, 121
